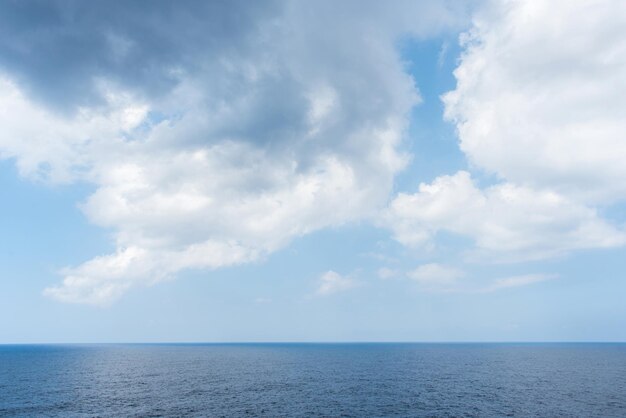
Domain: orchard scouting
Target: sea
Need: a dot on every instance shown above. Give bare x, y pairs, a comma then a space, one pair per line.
313, 380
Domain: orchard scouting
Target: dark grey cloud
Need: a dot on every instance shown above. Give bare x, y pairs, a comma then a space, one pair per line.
57, 50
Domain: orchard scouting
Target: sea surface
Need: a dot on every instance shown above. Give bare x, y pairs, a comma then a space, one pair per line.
284, 380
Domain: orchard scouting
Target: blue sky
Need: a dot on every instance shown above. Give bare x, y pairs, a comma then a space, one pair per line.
418, 172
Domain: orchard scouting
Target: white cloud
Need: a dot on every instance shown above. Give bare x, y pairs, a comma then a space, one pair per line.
219, 147
540, 103
435, 276
505, 221
331, 282
103, 279
517, 281
54, 148
540, 95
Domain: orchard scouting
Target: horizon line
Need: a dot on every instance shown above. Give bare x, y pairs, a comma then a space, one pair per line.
310, 342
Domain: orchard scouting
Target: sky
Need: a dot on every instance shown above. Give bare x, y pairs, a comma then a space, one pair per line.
312, 171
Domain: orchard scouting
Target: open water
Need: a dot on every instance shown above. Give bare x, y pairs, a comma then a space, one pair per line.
281, 380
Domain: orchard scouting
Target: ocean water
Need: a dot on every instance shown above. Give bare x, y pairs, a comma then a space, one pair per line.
279, 380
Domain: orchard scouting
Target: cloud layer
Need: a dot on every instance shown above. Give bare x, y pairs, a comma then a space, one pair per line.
214, 133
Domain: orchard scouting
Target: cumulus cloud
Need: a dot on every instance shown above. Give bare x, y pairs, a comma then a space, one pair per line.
540, 95
505, 221
52, 148
538, 102
213, 133
332, 282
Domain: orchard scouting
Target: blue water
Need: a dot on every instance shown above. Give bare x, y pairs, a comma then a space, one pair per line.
361, 380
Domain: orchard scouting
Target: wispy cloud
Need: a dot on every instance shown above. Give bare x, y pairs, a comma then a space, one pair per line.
517, 281
436, 277
441, 278
386, 273
332, 282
